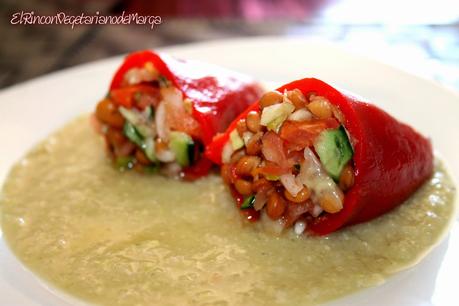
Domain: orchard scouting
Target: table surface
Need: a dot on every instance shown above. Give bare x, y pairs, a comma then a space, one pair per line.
425, 46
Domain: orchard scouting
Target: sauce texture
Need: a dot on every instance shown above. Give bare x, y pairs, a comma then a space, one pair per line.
128, 239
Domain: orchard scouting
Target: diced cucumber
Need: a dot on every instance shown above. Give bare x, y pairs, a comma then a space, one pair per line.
136, 117
149, 148
144, 130
130, 131
133, 116
334, 150
248, 202
236, 140
148, 112
140, 120
183, 147
145, 143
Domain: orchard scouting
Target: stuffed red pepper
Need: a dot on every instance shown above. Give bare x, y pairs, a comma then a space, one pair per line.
308, 156
160, 112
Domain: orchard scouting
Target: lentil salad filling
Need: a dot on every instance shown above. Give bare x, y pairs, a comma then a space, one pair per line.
147, 124
290, 161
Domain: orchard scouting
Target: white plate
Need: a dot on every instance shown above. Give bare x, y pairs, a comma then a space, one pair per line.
30, 111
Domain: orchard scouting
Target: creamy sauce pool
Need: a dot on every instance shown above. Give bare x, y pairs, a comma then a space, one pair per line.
123, 238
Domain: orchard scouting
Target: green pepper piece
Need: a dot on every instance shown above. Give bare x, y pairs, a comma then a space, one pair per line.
248, 202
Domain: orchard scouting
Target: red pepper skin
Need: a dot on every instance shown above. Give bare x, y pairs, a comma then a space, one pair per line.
391, 159
215, 149
218, 95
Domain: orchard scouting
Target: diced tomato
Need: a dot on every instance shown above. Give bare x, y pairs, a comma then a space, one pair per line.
273, 149
272, 169
301, 134
179, 120
126, 96
147, 99
295, 157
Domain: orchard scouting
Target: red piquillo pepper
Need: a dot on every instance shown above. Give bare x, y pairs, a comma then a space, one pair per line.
390, 159
218, 95
215, 97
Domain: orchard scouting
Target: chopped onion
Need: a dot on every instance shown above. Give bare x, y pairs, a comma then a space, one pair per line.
247, 136
289, 182
316, 178
132, 76
316, 211
138, 75
299, 227
140, 120
172, 102
338, 114
173, 96
275, 227
274, 115
165, 156
161, 122
171, 169
227, 152
260, 200
300, 115
236, 140
285, 98
131, 115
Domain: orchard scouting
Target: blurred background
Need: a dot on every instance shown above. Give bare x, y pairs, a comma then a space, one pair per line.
419, 36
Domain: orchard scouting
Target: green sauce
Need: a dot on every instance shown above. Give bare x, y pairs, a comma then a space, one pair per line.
123, 238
